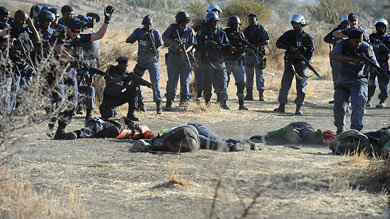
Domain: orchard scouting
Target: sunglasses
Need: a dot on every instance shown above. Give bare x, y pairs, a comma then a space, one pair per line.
75, 31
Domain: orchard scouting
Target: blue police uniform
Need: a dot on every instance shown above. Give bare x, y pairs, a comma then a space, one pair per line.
148, 58
115, 94
382, 56
351, 84
234, 60
74, 47
177, 64
214, 64
305, 44
198, 70
347, 31
329, 38
255, 35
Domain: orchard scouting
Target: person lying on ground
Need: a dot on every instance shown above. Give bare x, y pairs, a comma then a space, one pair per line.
370, 143
191, 137
95, 127
299, 132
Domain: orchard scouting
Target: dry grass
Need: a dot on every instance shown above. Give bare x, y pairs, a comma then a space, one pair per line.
18, 199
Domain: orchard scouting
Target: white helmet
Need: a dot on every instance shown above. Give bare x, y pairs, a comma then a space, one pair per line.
344, 18
381, 20
298, 18
214, 7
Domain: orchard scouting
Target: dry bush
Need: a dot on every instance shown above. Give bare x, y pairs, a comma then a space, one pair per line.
18, 199
29, 105
197, 9
242, 8
376, 177
330, 11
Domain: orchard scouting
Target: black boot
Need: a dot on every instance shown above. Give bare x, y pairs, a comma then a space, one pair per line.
141, 106
280, 109
249, 94
158, 107
241, 105
168, 105
223, 105
62, 135
339, 130
131, 116
381, 104
298, 110
261, 95
88, 113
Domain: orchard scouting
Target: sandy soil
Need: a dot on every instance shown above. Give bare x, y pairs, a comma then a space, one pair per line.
293, 182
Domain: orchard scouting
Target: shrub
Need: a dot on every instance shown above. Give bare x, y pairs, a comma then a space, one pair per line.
330, 11
242, 8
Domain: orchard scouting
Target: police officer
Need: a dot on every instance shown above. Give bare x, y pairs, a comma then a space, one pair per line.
294, 41
198, 70
380, 42
329, 38
213, 45
45, 30
56, 12
180, 38
4, 14
255, 61
352, 79
67, 14
234, 60
118, 90
353, 22
149, 42
68, 46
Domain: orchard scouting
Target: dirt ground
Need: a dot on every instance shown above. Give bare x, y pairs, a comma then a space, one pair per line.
306, 181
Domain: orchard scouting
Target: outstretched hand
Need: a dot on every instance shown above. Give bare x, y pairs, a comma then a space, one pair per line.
108, 13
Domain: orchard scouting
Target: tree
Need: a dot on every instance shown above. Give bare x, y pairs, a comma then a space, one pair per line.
242, 8
330, 11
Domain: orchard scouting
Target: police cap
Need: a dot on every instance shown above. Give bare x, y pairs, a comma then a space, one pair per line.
45, 8
147, 20
355, 34
122, 59
352, 17
46, 15
253, 15
66, 9
3, 10
74, 23
54, 11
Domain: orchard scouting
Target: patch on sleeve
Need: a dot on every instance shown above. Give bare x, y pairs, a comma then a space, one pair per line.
56, 34
370, 52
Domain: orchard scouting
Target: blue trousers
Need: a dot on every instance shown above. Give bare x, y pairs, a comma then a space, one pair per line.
357, 92
250, 68
288, 75
107, 108
174, 72
216, 77
199, 73
382, 80
237, 69
154, 73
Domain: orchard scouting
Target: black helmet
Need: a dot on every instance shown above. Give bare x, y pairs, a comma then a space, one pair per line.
211, 16
147, 20
233, 20
46, 16
182, 17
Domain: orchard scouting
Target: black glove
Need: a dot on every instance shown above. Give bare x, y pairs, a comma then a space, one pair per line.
107, 14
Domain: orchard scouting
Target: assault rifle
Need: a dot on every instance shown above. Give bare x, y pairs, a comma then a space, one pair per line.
303, 58
149, 38
84, 69
364, 59
183, 50
137, 80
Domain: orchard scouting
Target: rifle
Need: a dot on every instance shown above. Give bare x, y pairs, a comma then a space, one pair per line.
363, 58
301, 56
183, 50
151, 42
138, 80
